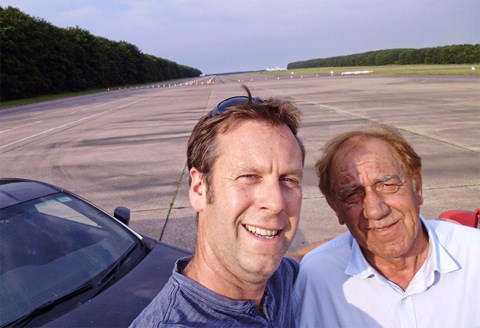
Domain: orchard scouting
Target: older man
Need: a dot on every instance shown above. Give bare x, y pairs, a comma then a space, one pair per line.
246, 169
393, 268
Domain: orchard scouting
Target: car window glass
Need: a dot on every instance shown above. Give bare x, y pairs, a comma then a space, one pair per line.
58, 207
52, 246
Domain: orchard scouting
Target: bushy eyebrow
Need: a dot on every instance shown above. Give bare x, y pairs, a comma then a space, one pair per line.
347, 189
353, 187
388, 178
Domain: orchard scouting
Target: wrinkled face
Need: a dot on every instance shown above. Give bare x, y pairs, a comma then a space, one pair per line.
257, 186
376, 198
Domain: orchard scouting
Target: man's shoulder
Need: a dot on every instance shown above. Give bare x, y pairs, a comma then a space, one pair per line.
447, 231
181, 303
286, 273
336, 249
158, 309
449, 228
288, 264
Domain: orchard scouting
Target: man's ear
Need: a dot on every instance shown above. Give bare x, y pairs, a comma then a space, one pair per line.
197, 191
333, 206
417, 187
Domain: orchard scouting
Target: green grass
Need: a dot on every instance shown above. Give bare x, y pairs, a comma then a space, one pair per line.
389, 69
27, 101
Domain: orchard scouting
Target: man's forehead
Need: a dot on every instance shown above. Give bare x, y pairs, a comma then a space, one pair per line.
259, 138
371, 156
358, 147
253, 130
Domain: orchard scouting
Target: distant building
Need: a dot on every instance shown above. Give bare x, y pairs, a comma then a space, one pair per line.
271, 69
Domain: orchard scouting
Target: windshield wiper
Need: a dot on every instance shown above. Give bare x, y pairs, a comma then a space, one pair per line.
111, 273
95, 286
47, 306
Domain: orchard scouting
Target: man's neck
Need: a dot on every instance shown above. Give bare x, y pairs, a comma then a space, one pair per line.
402, 270
221, 281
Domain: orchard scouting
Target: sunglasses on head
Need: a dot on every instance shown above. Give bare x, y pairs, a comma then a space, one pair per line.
233, 101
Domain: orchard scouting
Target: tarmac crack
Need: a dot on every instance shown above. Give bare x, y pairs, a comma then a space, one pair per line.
170, 207
344, 112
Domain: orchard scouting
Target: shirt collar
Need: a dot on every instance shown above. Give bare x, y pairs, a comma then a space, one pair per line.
200, 292
438, 258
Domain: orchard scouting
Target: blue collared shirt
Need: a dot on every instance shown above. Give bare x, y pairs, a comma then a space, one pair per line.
337, 287
185, 303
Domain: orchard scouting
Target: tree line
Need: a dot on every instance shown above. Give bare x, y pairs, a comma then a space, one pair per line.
38, 58
452, 54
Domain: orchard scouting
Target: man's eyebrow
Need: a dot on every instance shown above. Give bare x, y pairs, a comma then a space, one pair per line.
353, 187
297, 172
347, 189
388, 178
244, 167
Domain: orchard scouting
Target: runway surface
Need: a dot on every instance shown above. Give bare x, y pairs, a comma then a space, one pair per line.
127, 147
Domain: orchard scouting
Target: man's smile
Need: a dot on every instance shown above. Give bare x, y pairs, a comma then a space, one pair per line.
384, 228
259, 232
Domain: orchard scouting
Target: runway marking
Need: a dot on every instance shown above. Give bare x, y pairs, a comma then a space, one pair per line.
96, 106
68, 124
21, 126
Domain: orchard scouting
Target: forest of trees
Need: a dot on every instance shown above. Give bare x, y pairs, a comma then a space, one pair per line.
453, 54
38, 58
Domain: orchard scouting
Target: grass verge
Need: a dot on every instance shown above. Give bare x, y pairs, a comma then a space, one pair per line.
471, 69
33, 100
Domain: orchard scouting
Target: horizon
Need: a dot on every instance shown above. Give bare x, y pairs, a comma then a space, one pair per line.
250, 36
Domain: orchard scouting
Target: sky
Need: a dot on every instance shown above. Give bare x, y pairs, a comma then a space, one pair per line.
219, 36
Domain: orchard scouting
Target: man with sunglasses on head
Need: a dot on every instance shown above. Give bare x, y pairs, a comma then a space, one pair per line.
246, 168
393, 268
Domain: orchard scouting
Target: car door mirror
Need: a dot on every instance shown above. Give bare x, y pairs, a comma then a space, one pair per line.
123, 214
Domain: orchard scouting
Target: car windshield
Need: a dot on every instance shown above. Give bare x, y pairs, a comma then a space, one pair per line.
53, 246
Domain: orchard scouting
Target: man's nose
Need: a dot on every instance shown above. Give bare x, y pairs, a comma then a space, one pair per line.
271, 196
374, 207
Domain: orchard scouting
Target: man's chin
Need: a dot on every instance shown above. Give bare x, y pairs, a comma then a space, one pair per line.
261, 269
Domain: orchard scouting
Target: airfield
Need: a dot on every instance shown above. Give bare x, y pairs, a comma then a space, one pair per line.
127, 146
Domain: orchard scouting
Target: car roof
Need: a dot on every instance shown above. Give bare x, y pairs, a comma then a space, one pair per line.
15, 191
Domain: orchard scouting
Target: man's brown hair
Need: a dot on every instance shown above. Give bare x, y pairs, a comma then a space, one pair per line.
410, 159
202, 149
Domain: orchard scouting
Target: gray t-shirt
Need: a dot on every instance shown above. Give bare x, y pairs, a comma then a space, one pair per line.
185, 303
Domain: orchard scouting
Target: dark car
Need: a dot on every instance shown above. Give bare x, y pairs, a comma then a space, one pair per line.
65, 262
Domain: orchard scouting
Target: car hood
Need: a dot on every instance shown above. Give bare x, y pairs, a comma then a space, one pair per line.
122, 302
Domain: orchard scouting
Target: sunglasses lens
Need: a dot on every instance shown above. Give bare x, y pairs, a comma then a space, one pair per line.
234, 101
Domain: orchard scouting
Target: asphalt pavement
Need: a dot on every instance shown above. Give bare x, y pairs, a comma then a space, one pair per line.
127, 146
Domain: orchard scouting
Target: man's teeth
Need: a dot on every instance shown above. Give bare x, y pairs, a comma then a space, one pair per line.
378, 229
261, 232
382, 229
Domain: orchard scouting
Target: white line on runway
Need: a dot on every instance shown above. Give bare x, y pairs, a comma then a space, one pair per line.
69, 123
369, 119
96, 106
21, 126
